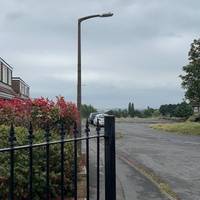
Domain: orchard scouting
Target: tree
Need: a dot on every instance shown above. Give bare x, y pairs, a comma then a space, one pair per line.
183, 110
163, 110
148, 112
138, 113
168, 109
86, 110
110, 112
176, 110
131, 109
191, 79
125, 113
156, 113
118, 113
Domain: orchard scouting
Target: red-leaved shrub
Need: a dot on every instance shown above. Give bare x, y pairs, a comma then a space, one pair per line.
40, 111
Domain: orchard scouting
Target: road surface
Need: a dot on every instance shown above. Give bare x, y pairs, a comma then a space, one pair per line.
131, 185
175, 158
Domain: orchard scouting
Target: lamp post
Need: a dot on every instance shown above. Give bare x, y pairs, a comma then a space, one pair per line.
79, 59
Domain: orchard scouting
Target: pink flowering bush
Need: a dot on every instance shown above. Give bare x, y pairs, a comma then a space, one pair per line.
15, 110
40, 111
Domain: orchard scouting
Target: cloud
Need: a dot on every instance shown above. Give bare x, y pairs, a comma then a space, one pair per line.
137, 54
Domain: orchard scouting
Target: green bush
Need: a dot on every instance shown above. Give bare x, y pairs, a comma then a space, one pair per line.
22, 165
183, 110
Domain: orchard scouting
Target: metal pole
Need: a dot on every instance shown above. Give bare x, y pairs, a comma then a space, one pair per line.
79, 75
79, 61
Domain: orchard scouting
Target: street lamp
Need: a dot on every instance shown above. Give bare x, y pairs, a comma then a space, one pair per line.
79, 58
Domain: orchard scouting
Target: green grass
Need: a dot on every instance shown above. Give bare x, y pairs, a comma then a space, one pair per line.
189, 128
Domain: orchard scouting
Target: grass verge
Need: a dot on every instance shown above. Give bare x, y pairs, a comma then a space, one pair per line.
188, 128
119, 135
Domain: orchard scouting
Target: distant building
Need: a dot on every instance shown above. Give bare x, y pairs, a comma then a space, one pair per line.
196, 108
10, 86
20, 87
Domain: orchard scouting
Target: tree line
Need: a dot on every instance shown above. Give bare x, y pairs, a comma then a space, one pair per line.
86, 110
132, 112
183, 110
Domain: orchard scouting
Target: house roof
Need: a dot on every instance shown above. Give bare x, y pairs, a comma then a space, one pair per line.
19, 79
6, 90
5, 63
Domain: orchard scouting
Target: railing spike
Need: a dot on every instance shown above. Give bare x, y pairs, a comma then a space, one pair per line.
98, 128
30, 131
87, 128
30, 128
12, 137
75, 129
62, 132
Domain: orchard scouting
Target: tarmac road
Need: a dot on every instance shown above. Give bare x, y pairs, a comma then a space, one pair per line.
131, 185
175, 158
134, 185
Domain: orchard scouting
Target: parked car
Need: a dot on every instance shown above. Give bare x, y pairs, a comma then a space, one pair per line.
99, 117
91, 117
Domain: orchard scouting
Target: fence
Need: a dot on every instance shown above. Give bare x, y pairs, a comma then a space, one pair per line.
109, 152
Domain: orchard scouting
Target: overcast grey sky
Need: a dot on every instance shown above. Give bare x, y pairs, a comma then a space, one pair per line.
136, 55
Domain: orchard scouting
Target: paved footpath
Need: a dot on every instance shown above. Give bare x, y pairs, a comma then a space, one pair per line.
175, 158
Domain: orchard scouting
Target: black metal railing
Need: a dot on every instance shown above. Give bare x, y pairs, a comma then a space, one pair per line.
109, 152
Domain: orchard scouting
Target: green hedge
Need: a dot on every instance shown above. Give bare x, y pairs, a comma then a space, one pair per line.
22, 166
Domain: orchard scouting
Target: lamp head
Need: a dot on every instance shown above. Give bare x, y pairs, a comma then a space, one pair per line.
106, 15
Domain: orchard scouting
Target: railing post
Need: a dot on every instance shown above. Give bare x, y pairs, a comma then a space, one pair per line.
12, 138
30, 138
62, 150
75, 132
87, 131
110, 163
98, 129
47, 138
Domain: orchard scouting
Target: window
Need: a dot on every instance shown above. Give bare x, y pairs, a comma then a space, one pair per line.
22, 89
0, 72
27, 91
9, 76
5, 74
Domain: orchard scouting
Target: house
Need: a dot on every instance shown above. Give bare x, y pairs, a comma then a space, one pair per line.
6, 91
196, 108
20, 87
11, 87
